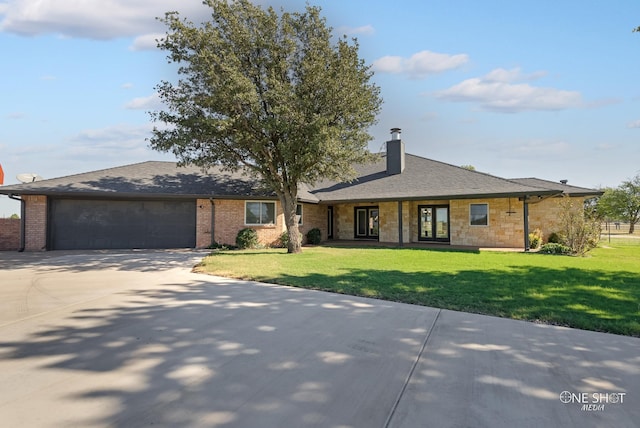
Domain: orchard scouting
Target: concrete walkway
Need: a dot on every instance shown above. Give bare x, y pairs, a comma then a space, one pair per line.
132, 339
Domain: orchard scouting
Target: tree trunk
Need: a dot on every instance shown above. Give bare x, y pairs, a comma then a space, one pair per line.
632, 227
289, 204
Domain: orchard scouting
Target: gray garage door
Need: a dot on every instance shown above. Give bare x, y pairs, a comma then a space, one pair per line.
104, 224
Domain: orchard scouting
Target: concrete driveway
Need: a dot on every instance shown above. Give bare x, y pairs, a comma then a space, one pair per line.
132, 338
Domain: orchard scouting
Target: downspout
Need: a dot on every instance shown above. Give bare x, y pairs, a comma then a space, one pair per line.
22, 221
526, 223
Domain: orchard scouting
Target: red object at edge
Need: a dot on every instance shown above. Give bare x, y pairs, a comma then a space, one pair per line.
1, 175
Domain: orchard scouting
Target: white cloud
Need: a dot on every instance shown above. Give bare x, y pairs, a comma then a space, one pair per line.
114, 133
607, 146
126, 142
420, 64
497, 91
146, 42
127, 85
513, 75
634, 124
152, 102
87, 19
365, 30
537, 148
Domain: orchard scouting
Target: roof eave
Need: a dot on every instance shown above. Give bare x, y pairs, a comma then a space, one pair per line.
445, 196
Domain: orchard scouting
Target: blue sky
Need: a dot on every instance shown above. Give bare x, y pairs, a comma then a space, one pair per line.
517, 89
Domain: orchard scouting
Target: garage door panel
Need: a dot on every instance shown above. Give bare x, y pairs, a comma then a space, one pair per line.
104, 224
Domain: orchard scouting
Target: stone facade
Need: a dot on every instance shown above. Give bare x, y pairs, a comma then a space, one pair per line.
505, 228
413, 213
9, 234
545, 215
505, 223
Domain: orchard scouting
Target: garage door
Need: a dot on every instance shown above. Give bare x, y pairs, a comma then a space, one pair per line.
104, 224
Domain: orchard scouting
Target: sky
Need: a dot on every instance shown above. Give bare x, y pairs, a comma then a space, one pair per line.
545, 89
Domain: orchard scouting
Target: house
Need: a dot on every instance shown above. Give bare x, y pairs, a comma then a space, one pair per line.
399, 199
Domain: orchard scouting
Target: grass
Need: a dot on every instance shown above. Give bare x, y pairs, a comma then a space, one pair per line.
600, 292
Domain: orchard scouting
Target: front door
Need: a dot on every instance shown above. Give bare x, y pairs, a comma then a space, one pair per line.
433, 223
367, 222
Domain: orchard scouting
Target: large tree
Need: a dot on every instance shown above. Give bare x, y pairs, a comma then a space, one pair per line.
272, 93
623, 202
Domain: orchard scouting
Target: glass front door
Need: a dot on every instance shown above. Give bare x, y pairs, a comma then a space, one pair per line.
433, 223
367, 222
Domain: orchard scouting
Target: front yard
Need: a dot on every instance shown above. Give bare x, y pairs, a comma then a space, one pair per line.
600, 292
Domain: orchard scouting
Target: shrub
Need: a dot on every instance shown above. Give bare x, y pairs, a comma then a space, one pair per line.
216, 246
554, 238
535, 238
579, 230
313, 236
247, 238
555, 248
283, 240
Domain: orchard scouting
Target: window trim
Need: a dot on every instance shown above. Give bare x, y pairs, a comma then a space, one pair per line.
486, 204
275, 213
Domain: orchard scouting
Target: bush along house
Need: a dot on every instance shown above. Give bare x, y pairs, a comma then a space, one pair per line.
400, 199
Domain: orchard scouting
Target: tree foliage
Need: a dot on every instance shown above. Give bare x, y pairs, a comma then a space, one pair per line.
579, 226
623, 202
269, 92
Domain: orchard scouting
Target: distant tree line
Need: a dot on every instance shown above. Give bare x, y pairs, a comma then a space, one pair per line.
621, 203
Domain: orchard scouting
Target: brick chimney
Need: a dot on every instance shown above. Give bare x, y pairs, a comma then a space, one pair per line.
395, 153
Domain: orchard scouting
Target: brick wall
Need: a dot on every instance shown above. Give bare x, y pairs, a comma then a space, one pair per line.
9, 234
314, 216
229, 220
35, 222
204, 208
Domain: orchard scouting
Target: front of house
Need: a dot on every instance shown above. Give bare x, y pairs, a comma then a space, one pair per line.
400, 199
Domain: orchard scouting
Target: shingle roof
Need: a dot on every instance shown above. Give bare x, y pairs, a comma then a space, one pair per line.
147, 180
565, 188
422, 179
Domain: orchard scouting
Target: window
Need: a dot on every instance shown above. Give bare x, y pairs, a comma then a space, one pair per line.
299, 214
256, 213
479, 214
433, 223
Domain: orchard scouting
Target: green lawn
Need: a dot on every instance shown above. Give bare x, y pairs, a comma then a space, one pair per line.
600, 292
